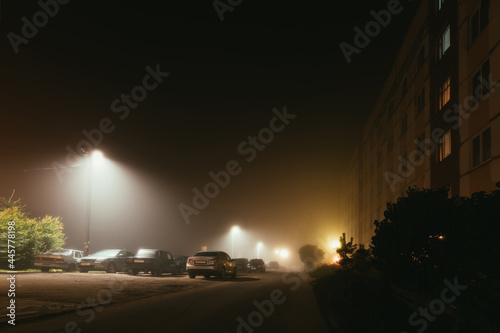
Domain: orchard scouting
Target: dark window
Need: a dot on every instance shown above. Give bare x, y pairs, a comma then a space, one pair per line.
404, 162
476, 151
420, 102
486, 77
390, 143
390, 110
485, 14
474, 26
421, 142
421, 57
481, 81
486, 144
404, 124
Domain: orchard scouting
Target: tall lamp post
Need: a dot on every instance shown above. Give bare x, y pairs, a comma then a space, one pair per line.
234, 230
259, 245
91, 160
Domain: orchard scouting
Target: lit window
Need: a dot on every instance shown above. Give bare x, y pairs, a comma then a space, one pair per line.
444, 42
444, 148
444, 93
440, 4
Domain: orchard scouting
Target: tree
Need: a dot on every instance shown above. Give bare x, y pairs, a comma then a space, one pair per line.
32, 235
345, 250
311, 256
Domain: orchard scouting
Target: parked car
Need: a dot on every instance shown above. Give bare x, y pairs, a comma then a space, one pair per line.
211, 263
65, 259
182, 262
152, 261
241, 264
273, 265
109, 260
257, 265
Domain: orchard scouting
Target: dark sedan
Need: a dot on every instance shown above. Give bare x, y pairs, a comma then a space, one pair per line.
152, 261
257, 265
110, 260
241, 264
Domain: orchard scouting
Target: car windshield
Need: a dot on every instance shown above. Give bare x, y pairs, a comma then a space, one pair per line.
105, 253
206, 254
60, 252
255, 262
146, 253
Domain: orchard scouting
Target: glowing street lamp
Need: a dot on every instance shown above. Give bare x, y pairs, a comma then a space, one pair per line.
335, 244
94, 158
259, 245
235, 229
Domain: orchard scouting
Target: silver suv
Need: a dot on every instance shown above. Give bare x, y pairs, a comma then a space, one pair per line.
211, 263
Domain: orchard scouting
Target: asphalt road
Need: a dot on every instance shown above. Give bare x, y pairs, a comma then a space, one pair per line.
269, 302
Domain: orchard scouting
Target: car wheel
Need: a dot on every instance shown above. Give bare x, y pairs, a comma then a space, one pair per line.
192, 276
223, 274
234, 273
71, 268
111, 267
133, 271
157, 272
45, 269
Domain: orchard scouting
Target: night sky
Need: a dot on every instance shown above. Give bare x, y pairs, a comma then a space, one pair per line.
225, 78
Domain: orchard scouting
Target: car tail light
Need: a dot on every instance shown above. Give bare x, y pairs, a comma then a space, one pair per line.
148, 261
190, 261
129, 260
59, 260
212, 261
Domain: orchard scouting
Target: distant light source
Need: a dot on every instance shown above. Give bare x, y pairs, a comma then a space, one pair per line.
335, 244
284, 254
97, 157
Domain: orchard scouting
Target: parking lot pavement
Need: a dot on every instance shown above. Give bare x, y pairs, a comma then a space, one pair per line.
42, 294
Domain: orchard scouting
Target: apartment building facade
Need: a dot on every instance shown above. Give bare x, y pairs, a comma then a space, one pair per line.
428, 129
